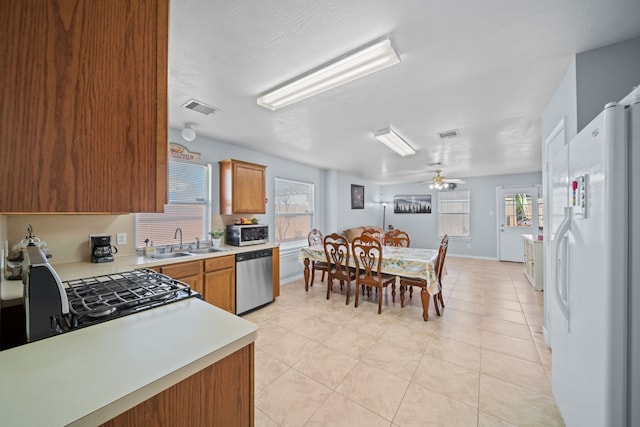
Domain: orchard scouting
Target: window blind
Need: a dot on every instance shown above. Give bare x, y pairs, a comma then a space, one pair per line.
188, 209
453, 213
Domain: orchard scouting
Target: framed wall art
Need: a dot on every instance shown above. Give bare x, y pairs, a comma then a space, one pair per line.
357, 196
404, 203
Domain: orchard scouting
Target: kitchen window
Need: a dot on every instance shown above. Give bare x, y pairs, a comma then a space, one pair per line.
294, 210
454, 209
189, 207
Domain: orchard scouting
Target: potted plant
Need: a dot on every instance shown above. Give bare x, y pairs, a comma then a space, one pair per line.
216, 236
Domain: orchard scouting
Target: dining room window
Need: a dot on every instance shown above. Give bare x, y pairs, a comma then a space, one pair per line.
189, 207
294, 211
454, 209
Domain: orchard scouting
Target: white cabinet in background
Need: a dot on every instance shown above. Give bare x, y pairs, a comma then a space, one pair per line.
533, 261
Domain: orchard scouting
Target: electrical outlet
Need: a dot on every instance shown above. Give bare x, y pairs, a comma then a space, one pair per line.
121, 238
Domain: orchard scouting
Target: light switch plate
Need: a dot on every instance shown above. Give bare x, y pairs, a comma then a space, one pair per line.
121, 238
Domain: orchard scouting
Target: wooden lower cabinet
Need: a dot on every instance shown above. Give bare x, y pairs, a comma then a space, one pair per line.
219, 395
188, 272
215, 278
220, 282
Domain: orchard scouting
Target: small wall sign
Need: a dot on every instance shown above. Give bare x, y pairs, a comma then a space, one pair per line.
178, 151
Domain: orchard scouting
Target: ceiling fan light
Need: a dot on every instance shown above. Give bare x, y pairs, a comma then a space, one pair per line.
360, 63
391, 139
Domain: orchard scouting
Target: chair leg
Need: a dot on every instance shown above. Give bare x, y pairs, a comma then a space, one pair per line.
393, 293
357, 294
435, 303
313, 275
348, 291
410, 292
322, 278
379, 301
329, 286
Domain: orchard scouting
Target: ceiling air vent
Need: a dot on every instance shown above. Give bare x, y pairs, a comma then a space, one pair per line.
453, 133
200, 107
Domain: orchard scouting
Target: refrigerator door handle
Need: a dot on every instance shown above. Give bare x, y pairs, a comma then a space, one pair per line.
563, 229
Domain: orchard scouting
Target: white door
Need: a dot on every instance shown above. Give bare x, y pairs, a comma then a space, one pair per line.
517, 215
556, 197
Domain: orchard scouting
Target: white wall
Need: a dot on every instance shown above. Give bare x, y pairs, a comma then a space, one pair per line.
605, 75
423, 228
562, 105
213, 151
347, 217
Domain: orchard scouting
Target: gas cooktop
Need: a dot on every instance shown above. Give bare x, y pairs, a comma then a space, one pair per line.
97, 299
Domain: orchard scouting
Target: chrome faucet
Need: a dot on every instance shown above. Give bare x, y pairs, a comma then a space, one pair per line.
175, 236
197, 243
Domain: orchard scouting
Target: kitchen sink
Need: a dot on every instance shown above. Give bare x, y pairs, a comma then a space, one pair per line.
170, 255
207, 250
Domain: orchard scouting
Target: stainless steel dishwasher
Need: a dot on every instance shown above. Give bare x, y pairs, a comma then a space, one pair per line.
254, 279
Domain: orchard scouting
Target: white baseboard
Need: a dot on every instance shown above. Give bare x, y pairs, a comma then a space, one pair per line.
474, 257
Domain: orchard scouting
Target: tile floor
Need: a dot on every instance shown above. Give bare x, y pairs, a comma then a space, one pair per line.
482, 363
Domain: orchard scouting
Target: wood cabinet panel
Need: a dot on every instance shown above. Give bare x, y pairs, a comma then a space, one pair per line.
83, 106
195, 282
183, 269
218, 263
242, 187
220, 395
220, 289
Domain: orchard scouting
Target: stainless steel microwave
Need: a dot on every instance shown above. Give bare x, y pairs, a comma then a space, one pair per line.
243, 235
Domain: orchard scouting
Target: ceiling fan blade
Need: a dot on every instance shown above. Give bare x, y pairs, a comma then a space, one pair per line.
454, 180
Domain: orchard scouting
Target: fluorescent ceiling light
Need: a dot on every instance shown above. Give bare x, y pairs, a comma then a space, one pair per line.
393, 141
358, 64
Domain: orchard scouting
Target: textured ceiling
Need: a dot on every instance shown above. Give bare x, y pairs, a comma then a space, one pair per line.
485, 68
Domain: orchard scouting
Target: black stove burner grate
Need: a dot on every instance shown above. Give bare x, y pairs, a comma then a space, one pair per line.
101, 296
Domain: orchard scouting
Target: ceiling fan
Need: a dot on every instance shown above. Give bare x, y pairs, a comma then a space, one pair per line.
439, 182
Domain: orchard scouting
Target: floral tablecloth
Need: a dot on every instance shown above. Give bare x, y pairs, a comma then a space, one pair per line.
406, 262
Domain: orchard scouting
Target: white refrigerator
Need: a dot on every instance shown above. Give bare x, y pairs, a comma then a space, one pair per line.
595, 292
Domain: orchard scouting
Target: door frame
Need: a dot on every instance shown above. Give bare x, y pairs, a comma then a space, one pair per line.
499, 208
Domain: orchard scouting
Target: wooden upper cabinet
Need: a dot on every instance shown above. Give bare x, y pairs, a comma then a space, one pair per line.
83, 105
242, 187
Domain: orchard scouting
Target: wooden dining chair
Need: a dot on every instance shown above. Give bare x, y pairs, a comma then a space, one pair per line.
336, 249
367, 252
397, 238
314, 238
375, 233
409, 283
444, 245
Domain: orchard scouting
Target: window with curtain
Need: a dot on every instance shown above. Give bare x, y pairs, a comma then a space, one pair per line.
294, 212
453, 213
189, 207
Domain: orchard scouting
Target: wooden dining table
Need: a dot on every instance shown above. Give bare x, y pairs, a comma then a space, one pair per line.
413, 263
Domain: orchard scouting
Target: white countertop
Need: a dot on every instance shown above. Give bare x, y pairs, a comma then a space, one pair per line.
13, 289
88, 376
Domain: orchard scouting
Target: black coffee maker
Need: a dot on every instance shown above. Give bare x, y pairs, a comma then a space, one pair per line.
101, 249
